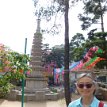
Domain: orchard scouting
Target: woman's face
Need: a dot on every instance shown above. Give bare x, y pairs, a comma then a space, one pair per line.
86, 86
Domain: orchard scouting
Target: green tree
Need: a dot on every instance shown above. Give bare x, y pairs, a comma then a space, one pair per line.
57, 56
77, 47
93, 11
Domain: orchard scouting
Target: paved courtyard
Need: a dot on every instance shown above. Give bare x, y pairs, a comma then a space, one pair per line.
59, 103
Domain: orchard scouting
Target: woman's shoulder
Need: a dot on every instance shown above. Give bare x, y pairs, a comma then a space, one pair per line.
98, 101
74, 103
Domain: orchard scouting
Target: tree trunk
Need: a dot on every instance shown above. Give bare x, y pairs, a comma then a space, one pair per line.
66, 58
102, 23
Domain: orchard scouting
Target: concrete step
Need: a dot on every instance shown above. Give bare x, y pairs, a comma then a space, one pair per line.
52, 96
27, 97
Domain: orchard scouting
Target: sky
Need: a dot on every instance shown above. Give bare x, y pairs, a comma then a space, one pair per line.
17, 22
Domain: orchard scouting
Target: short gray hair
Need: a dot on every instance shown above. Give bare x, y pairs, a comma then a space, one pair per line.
90, 75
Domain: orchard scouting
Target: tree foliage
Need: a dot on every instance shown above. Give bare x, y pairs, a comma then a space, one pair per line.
76, 47
55, 55
13, 66
93, 11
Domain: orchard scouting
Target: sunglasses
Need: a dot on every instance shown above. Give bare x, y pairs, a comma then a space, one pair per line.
81, 85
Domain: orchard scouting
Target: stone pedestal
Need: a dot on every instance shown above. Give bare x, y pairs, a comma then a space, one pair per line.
40, 95
52, 96
34, 84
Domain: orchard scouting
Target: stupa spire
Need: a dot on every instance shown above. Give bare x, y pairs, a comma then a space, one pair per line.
38, 25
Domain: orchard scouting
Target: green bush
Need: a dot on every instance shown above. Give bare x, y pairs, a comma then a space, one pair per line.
5, 89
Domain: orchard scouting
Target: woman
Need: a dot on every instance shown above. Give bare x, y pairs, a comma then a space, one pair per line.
86, 87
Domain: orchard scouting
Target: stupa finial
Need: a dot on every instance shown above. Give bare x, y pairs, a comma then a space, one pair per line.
38, 24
